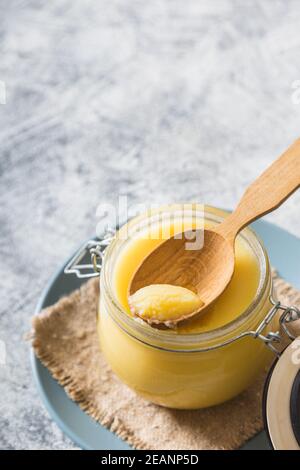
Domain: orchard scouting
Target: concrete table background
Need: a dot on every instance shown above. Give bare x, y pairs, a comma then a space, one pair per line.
160, 101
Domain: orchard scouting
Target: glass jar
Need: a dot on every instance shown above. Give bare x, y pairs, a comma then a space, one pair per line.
186, 371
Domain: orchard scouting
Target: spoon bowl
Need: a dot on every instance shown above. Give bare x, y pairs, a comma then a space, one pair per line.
205, 270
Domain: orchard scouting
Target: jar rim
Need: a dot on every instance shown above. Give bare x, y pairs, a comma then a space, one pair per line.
143, 332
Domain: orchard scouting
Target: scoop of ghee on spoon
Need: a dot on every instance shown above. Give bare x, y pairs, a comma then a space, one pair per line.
164, 303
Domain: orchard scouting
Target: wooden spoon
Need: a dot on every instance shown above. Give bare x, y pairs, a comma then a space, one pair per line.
208, 270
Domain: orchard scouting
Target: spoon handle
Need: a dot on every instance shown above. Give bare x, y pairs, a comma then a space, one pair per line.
266, 193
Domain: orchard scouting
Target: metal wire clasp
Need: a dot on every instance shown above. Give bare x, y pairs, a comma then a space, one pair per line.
95, 249
289, 314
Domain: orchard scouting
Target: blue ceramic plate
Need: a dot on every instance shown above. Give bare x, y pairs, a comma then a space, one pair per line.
84, 431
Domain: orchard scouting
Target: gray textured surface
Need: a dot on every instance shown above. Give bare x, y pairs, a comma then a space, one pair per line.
161, 100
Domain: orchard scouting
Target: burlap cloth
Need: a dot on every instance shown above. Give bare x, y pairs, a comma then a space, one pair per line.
64, 338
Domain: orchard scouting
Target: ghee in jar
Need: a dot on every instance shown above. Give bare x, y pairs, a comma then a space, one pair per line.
228, 306
195, 365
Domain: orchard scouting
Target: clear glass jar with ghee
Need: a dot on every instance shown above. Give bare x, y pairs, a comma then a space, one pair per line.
205, 361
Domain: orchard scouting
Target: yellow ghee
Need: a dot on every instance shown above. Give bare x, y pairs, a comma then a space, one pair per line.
190, 366
164, 303
227, 307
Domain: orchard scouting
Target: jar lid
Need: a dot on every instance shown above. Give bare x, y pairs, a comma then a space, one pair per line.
281, 401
